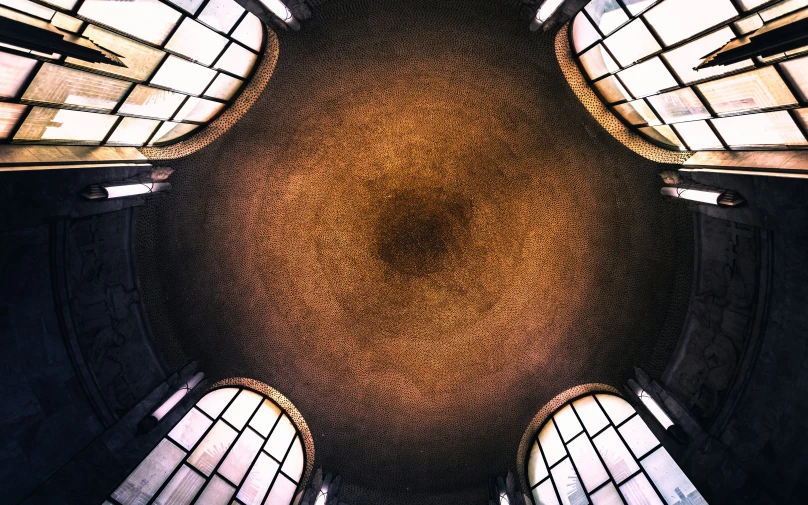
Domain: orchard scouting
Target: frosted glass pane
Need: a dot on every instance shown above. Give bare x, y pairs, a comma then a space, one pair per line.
10, 114
606, 14
536, 469
796, 71
67, 23
545, 494
616, 455
187, 5
217, 492
258, 480
758, 89
750, 24
631, 43
212, 448
568, 485
31, 8
669, 479
59, 85
237, 60
597, 62
197, 42
282, 492
181, 75
567, 423
664, 134
152, 102
293, 466
684, 59
551, 443
140, 59
61, 125
612, 90
676, 20
221, 15
223, 87
14, 70
249, 32
149, 475
772, 128
751, 4
638, 436
591, 414
65, 4
638, 491
617, 408
182, 488
171, 131
607, 495
587, 462
239, 459
782, 8
583, 33
265, 418
698, 135
198, 109
149, 20
647, 78
189, 430
133, 131
637, 112
680, 105
242, 408
281, 437
637, 6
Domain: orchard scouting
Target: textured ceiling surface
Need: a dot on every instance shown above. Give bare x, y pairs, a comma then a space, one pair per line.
419, 236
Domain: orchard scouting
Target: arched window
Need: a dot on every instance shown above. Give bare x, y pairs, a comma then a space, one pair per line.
640, 56
157, 70
596, 449
235, 446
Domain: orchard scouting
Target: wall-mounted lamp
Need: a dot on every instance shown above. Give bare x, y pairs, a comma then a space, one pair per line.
703, 194
149, 422
656, 410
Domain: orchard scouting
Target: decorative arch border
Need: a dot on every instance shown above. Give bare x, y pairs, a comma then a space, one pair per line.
544, 413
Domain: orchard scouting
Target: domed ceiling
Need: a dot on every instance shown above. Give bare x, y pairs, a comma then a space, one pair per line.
419, 236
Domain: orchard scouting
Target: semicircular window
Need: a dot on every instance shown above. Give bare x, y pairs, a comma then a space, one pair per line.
234, 446
134, 73
596, 449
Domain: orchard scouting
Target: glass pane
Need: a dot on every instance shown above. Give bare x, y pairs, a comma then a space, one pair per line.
221, 15
751, 4
152, 102
607, 495
198, 109
796, 71
638, 491
647, 78
591, 414
676, 20
149, 20
238, 460
182, 488
258, 480
196, 42
217, 492
10, 113
583, 33
265, 418
188, 431
802, 118
611, 89
242, 408
212, 448
149, 475
748, 25
280, 439
615, 454
631, 43
597, 62
637, 6
65, 4
132, 131
568, 485
606, 14
31, 8
169, 132
679, 105
782, 8
545, 494
58, 85
249, 32
698, 135
140, 59
14, 71
587, 462
293, 466
536, 469
44, 123
772, 128
223, 87
567, 423
67, 23
187, 5
637, 112
283, 490
684, 59
663, 134
638, 436
617, 408
758, 89
181, 75
237, 60
551, 443
669, 479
